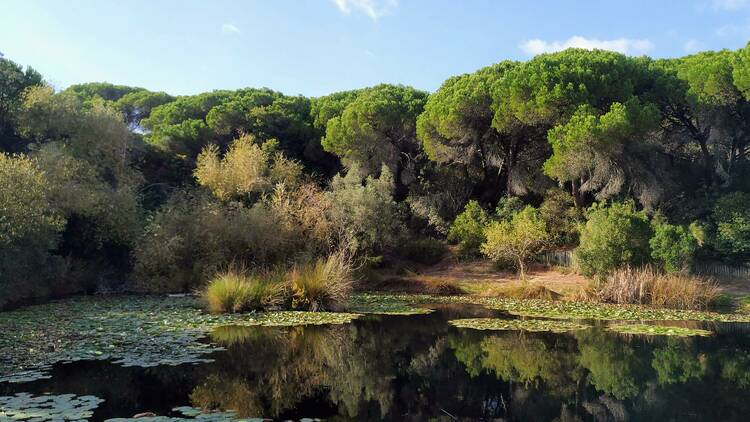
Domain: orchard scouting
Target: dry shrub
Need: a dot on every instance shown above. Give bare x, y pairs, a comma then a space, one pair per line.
649, 287
418, 285
322, 285
524, 291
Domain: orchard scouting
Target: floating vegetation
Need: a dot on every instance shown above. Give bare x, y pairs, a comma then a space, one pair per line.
535, 325
658, 330
535, 308
129, 330
193, 414
367, 303
65, 407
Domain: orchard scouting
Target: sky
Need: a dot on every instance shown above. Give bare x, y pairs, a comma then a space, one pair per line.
315, 47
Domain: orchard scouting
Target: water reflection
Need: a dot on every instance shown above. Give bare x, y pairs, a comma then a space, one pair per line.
420, 367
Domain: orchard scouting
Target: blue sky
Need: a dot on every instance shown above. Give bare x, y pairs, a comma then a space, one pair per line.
315, 47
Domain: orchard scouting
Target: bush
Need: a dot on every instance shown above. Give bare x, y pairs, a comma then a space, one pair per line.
613, 236
322, 285
519, 239
561, 216
424, 250
648, 287
732, 218
364, 207
193, 235
236, 290
673, 247
468, 230
29, 229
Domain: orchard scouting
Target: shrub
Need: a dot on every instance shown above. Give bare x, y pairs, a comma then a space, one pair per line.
237, 290
732, 218
507, 207
468, 230
425, 250
613, 236
246, 168
561, 216
193, 235
519, 239
29, 229
364, 207
649, 287
673, 247
322, 285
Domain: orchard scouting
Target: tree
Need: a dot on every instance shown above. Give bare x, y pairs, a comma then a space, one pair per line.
364, 207
608, 154
30, 228
378, 128
468, 229
548, 90
672, 246
614, 236
456, 129
13, 82
732, 219
519, 239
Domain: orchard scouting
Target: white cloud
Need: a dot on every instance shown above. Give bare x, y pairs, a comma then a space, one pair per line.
621, 45
733, 30
372, 8
691, 46
729, 5
228, 28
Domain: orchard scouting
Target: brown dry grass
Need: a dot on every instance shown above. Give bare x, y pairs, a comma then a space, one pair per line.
647, 286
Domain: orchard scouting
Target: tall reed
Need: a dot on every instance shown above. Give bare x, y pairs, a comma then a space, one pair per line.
649, 287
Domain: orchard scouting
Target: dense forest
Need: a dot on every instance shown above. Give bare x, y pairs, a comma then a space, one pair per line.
629, 160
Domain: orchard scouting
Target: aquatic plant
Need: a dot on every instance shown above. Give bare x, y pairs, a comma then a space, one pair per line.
384, 305
129, 330
534, 325
65, 407
657, 330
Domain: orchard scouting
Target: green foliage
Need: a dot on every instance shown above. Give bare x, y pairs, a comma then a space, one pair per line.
13, 81
30, 228
425, 250
613, 236
673, 246
378, 128
365, 208
468, 229
519, 239
732, 219
192, 236
561, 216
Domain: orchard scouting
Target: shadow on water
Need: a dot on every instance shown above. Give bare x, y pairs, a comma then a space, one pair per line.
420, 367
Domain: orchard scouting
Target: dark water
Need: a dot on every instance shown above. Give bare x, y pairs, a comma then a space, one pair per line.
421, 368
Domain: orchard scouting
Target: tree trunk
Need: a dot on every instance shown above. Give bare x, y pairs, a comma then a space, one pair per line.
521, 269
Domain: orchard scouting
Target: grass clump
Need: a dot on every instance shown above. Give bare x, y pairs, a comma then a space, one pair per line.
237, 290
322, 285
646, 286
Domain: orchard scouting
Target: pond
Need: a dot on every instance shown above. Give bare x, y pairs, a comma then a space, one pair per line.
400, 367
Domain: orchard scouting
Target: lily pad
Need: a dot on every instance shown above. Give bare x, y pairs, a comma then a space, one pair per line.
129, 330
658, 330
66, 407
384, 305
534, 325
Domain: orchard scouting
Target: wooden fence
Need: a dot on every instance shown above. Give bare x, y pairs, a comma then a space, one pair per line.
716, 269
564, 258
